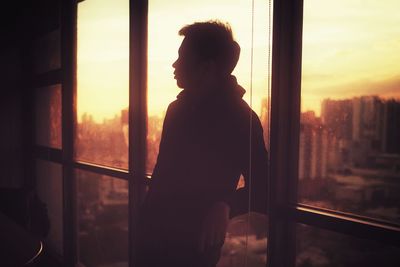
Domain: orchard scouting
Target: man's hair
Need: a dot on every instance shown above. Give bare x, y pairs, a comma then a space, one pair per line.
213, 40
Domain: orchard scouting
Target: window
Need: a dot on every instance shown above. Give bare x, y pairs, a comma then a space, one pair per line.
246, 241
102, 219
317, 180
349, 137
103, 83
163, 51
107, 152
318, 247
101, 140
48, 116
47, 46
333, 157
44, 113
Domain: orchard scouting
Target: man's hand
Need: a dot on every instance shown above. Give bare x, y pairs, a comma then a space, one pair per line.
214, 226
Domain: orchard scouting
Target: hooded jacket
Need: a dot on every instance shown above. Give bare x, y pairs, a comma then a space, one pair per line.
207, 143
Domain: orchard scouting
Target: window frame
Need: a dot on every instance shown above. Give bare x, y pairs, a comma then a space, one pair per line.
135, 175
284, 210
66, 77
34, 81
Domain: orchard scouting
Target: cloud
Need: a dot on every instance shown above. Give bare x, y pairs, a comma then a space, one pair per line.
311, 98
387, 88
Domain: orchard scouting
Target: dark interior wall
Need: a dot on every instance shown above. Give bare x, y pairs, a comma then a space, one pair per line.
11, 117
11, 103
17, 27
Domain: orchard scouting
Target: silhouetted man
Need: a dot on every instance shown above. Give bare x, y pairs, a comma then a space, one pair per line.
210, 137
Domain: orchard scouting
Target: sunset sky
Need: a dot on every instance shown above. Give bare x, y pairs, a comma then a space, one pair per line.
350, 48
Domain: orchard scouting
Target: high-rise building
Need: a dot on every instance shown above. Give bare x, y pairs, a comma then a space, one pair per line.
337, 116
313, 156
361, 129
390, 142
366, 128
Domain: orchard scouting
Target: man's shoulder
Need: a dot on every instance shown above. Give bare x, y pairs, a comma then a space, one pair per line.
243, 108
173, 105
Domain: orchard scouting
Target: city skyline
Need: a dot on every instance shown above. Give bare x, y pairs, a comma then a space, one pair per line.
346, 52
260, 111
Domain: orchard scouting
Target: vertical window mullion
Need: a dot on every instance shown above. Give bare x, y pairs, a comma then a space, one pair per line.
68, 65
137, 112
285, 114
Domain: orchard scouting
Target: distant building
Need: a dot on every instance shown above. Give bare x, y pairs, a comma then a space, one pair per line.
264, 118
367, 128
367, 115
390, 142
125, 124
360, 130
337, 116
313, 150
337, 119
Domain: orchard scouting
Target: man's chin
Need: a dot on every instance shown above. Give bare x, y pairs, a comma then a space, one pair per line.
180, 85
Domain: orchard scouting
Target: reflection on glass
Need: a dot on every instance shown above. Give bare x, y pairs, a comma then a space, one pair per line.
50, 192
163, 51
102, 220
48, 116
245, 242
322, 248
103, 83
46, 53
350, 121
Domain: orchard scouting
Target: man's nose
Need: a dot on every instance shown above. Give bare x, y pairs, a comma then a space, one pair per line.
174, 64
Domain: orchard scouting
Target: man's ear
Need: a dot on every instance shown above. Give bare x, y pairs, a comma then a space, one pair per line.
235, 56
210, 67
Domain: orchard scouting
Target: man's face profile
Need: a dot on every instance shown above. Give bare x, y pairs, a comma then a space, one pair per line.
187, 72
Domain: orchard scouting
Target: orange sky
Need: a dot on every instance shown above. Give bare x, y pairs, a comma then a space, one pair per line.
350, 48
103, 31
103, 58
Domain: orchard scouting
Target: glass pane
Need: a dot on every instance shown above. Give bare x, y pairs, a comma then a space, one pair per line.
245, 241
46, 53
350, 121
103, 83
48, 116
322, 248
163, 51
102, 220
49, 186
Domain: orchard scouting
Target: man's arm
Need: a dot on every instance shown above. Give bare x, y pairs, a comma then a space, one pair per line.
256, 178
214, 226
255, 172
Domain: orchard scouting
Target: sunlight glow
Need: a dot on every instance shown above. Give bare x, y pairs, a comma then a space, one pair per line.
171, 16
350, 48
103, 51
103, 58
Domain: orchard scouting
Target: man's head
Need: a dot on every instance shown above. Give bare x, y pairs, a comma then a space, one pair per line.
207, 53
